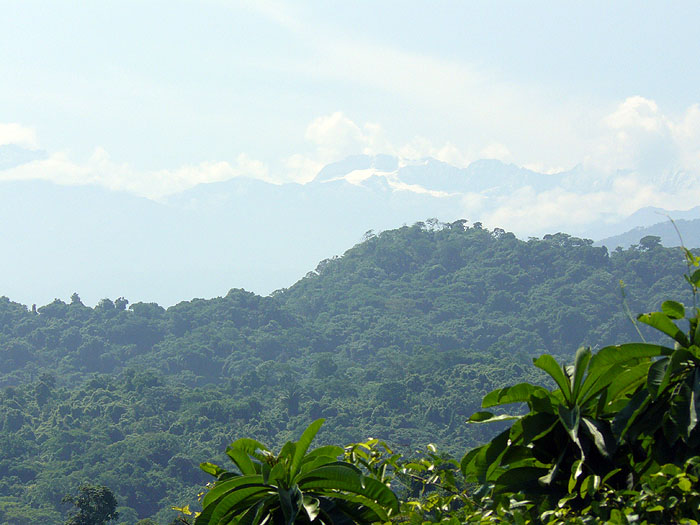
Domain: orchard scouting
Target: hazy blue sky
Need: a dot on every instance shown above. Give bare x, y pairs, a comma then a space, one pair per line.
153, 97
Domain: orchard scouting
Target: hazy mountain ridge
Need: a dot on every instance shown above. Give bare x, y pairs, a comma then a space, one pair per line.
238, 233
689, 234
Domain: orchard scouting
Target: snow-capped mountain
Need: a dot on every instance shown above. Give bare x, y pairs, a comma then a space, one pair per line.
252, 234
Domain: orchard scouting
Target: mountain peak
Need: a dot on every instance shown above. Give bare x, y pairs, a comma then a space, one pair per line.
340, 169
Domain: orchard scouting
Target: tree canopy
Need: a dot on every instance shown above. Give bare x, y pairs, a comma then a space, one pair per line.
398, 339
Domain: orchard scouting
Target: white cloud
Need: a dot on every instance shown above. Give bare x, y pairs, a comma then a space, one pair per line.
637, 136
12, 133
495, 150
639, 156
301, 169
528, 212
421, 148
637, 112
101, 170
334, 137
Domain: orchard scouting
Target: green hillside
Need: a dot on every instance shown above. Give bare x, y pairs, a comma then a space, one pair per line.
399, 338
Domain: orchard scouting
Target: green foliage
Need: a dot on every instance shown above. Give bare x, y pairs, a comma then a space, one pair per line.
618, 439
566, 439
294, 486
95, 504
669, 495
420, 323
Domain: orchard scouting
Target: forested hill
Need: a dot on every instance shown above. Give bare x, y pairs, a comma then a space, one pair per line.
399, 338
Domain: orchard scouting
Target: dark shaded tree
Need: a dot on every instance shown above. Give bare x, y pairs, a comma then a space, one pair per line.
94, 505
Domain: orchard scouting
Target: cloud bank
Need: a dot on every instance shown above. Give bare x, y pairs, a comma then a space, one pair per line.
101, 170
13, 133
639, 156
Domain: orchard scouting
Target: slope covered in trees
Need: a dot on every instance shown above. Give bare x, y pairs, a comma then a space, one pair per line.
399, 338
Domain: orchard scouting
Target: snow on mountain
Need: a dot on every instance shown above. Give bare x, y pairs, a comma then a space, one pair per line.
247, 233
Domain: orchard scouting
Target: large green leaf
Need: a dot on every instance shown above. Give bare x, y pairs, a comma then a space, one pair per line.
519, 393
626, 417
257, 513
656, 375
277, 475
612, 355
488, 417
240, 451
547, 363
693, 405
379, 492
468, 461
696, 398
315, 463
210, 468
664, 324
222, 487
681, 414
545, 401
581, 360
520, 456
287, 452
626, 382
329, 451
342, 476
364, 509
571, 419
312, 507
601, 436
242, 460
520, 477
487, 459
291, 502
673, 309
531, 427
213, 512
596, 382
680, 360
303, 445
332, 487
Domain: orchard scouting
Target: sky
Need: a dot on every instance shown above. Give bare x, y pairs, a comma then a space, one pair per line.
155, 97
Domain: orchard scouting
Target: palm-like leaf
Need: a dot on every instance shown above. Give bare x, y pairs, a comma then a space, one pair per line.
563, 426
295, 486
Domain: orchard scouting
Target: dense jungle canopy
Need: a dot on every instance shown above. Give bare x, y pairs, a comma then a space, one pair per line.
399, 339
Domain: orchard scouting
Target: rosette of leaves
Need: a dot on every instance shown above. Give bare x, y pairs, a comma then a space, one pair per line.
564, 445
660, 422
294, 486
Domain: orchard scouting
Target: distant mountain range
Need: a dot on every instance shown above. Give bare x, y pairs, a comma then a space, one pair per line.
689, 234
242, 232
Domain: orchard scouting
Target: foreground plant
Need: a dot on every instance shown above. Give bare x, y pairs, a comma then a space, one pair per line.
294, 486
566, 439
617, 422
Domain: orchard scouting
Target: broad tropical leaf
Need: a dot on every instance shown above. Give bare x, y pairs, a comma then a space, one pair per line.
663, 323
519, 393
549, 364
294, 486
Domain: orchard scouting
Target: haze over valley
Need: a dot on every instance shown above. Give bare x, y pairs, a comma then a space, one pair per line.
252, 234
